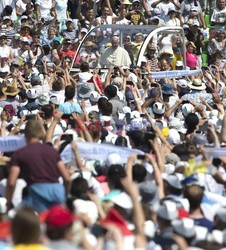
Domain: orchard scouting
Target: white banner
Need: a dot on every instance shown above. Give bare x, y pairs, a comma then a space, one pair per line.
12, 143
94, 151
174, 73
216, 152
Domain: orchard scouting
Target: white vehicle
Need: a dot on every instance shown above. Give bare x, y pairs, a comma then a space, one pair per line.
101, 36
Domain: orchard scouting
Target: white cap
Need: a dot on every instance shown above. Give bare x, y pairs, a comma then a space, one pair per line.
173, 137
113, 159
184, 227
149, 228
168, 210
187, 108
126, 109
136, 124
135, 114
215, 236
6, 18
177, 124
5, 69
172, 8
25, 40
24, 17
32, 93
55, 99
182, 83
196, 23
94, 96
159, 108
23, 113
173, 180
179, 64
3, 207
123, 200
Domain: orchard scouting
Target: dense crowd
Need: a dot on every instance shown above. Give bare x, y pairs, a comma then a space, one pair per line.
96, 152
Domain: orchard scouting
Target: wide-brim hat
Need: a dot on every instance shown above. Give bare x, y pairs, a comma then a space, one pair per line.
11, 90
197, 84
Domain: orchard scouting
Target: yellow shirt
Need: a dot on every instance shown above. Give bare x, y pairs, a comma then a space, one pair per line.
30, 247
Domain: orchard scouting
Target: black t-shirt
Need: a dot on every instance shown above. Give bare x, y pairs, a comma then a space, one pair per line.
37, 163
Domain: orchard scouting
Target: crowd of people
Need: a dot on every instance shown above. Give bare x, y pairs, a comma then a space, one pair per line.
96, 152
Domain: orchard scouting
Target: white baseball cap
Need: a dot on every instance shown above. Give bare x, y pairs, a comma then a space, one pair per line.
173, 137
112, 159
184, 227
187, 108
94, 96
168, 210
32, 93
55, 99
173, 180
159, 108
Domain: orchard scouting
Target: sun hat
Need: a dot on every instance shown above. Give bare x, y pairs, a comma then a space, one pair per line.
55, 99
191, 43
42, 100
94, 96
197, 84
11, 89
159, 108
85, 89
167, 89
173, 180
32, 93
58, 217
184, 227
187, 108
167, 210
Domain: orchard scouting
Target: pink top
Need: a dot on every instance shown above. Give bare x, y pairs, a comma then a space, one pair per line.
191, 59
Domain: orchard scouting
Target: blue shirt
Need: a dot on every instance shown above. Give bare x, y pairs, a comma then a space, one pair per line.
68, 108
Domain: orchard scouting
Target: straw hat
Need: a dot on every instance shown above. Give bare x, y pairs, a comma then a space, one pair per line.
191, 43
11, 90
197, 84
88, 43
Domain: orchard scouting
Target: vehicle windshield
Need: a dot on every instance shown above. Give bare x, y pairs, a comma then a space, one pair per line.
120, 46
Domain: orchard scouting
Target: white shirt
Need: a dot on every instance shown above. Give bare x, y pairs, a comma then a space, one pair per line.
45, 6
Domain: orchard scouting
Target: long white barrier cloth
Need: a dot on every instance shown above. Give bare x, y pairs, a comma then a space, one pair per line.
174, 73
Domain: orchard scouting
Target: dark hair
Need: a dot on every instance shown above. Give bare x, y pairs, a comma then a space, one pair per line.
84, 67
79, 187
95, 130
115, 174
58, 233
110, 91
69, 92
46, 49
191, 121
171, 190
139, 173
48, 111
57, 85
101, 102
25, 227
8, 10
121, 141
107, 109
194, 194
